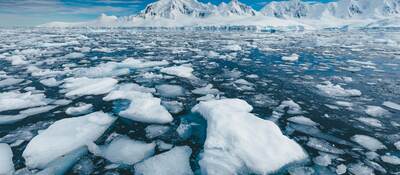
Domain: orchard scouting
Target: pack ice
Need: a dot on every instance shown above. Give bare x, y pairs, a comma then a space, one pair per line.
238, 141
6, 163
65, 136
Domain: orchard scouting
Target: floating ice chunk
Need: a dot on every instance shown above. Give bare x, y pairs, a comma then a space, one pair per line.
370, 121
50, 82
394, 160
302, 120
162, 146
80, 110
237, 139
17, 60
123, 150
87, 86
324, 159
173, 107
301, 171
109, 69
10, 82
344, 103
74, 55
8, 119
6, 163
341, 169
64, 163
153, 131
205, 90
167, 90
337, 91
368, 142
65, 136
392, 105
184, 71
243, 82
324, 146
233, 47
361, 169
397, 145
377, 111
293, 108
135, 63
143, 107
15, 100
175, 161
293, 57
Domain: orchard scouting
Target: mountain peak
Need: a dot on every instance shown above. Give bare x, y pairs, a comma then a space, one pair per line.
234, 7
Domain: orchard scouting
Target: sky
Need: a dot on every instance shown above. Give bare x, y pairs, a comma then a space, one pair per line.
35, 12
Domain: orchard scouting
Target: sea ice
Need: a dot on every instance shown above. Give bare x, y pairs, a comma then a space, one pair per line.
143, 107
184, 71
64, 163
368, 142
50, 82
10, 82
377, 111
80, 110
237, 139
293, 57
370, 121
322, 145
205, 90
123, 150
394, 160
302, 120
392, 105
175, 161
153, 131
361, 169
6, 162
8, 119
341, 169
293, 108
65, 136
88, 86
173, 107
167, 90
337, 91
397, 145
16, 100
136, 63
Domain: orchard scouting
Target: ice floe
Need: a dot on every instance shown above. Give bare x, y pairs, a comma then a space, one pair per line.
391, 159
205, 90
16, 100
184, 71
79, 110
391, 105
6, 162
88, 86
167, 90
368, 142
50, 82
302, 120
237, 139
337, 91
8, 119
377, 111
370, 121
143, 107
360, 169
322, 145
153, 131
293, 57
10, 82
123, 150
291, 106
175, 161
65, 136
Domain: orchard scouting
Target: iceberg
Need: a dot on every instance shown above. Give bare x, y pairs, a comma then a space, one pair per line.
64, 136
239, 141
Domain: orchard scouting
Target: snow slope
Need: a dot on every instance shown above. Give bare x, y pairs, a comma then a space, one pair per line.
280, 14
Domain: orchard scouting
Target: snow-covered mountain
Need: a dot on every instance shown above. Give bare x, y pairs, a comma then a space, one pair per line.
342, 9
237, 8
292, 13
173, 9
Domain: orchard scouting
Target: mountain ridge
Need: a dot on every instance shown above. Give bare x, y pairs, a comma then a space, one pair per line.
185, 13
